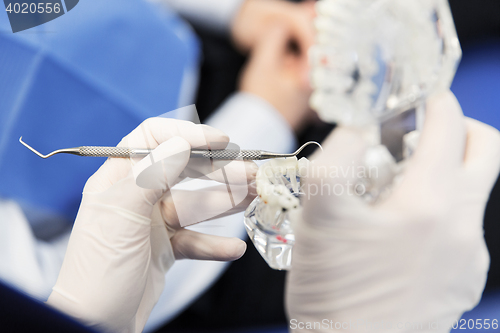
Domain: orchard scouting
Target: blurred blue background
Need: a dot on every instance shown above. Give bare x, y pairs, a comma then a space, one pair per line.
86, 78
477, 82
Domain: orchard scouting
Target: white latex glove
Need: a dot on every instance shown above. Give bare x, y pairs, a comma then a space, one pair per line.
126, 237
417, 258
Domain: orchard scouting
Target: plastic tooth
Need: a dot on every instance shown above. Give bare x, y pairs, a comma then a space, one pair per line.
366, 87
331, 41
335, 8
368, 67
329, 116
318, 77
329, 60
324, 79
323, 24
325, 8
323, 38
316, 100
315, 54
292, 172
331, 26
341, 83
319, 56
363, 103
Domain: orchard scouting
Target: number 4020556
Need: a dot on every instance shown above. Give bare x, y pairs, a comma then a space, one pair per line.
32, 8
486, 324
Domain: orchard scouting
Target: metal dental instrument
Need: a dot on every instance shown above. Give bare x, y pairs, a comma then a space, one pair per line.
220, 154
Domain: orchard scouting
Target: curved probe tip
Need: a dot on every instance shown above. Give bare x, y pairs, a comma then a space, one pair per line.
305, 145
316, 143
31, 148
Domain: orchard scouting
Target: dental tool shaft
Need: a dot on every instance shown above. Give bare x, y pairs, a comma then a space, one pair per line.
126, 152
222, 154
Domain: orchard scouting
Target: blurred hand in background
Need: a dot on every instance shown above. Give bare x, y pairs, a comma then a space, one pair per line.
278, 72
255, 18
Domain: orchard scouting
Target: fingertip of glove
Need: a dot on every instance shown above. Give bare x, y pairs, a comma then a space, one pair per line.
443, 97
236, 250
444, 107
172, 146
252, 169
216, 138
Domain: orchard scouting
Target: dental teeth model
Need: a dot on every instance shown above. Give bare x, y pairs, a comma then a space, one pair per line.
374, 64
268, 217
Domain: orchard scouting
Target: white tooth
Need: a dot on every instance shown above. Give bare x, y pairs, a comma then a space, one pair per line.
316, 79
366, 88
324, 24
316, 100
323, 38
326, 8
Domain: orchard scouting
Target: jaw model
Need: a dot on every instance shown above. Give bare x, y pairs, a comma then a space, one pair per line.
374, 64
375, 57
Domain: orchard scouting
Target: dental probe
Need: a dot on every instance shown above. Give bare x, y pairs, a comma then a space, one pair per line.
218, 154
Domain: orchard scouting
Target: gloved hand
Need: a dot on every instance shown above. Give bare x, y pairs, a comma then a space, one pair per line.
415, 261
126, 236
